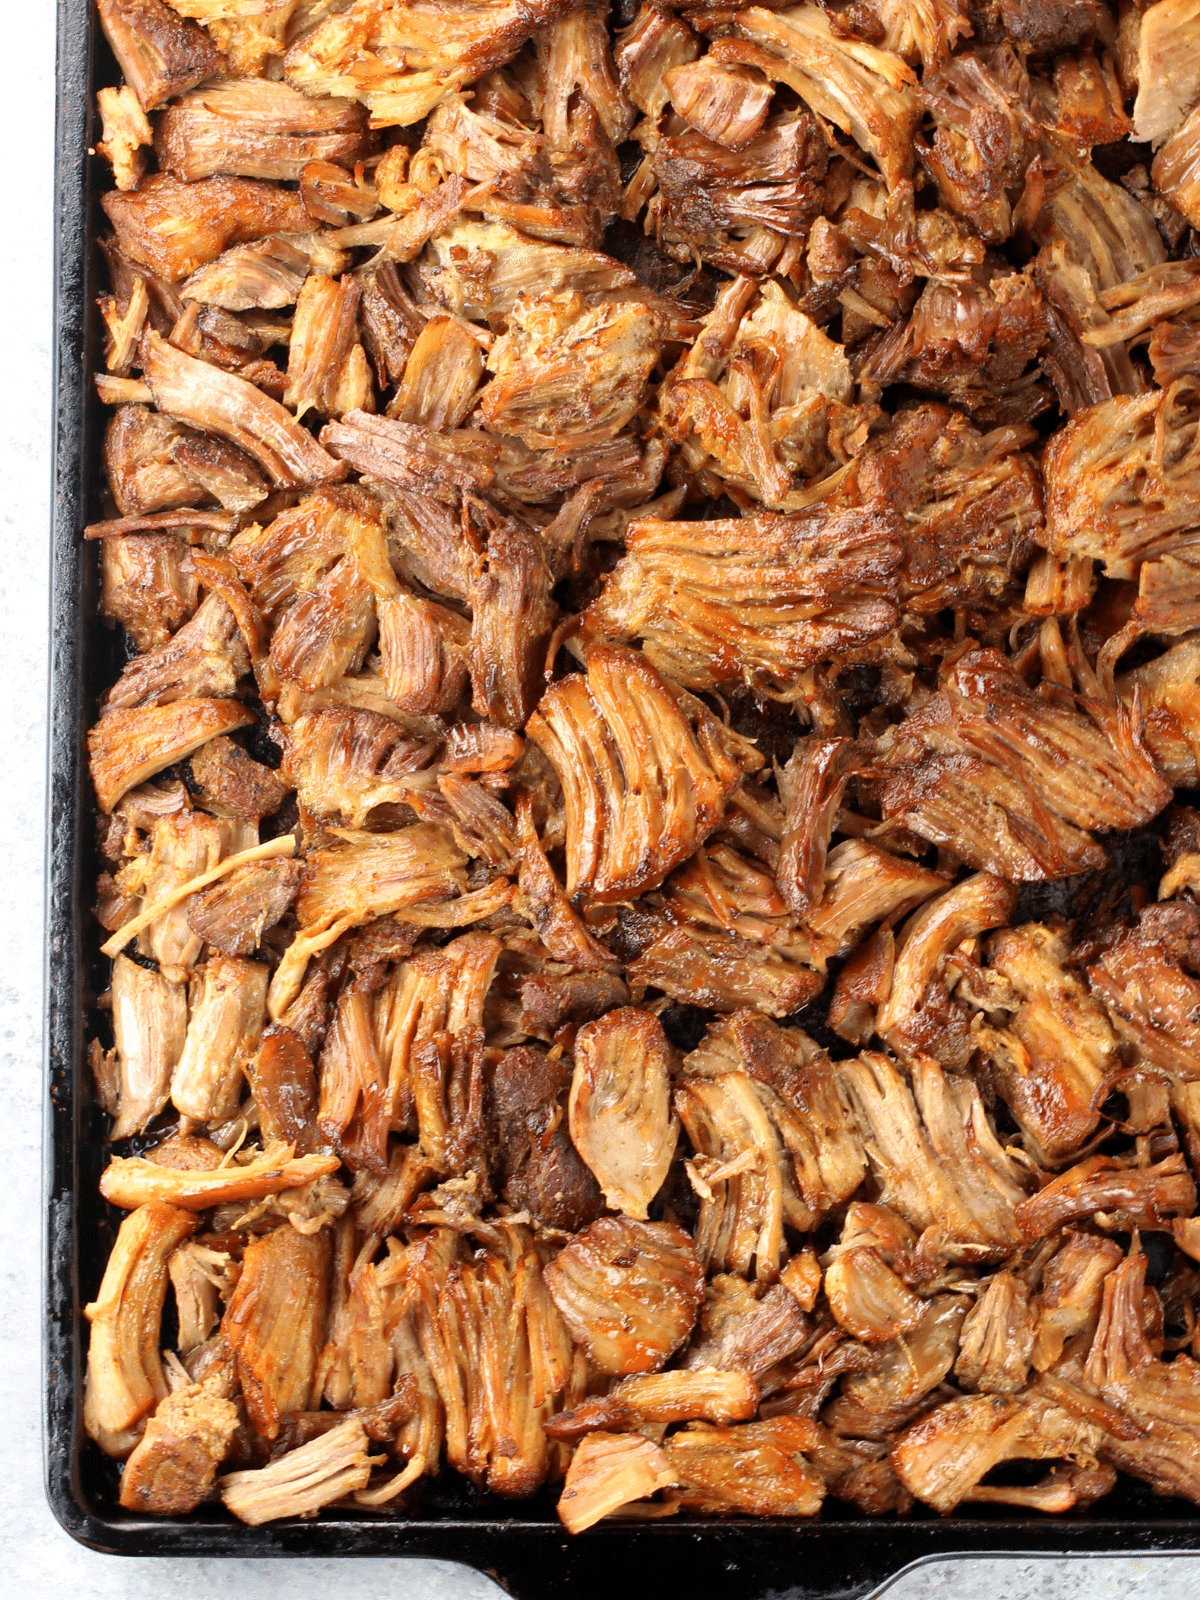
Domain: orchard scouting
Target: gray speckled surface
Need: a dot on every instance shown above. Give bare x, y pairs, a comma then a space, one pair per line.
36, 1557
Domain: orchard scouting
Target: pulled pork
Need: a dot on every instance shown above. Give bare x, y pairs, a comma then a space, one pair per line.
654, 947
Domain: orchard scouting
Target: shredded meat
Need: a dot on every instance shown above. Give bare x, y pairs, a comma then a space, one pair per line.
628, 1291
655, 944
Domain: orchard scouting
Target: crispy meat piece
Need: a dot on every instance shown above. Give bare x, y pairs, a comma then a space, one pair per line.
971, 504
174, 227
511, 617
402, 60
481, 747
935, 1156
1060, 1045
275, 1321
140, 466
486, 1351
868, 93
1119, 484
223, 472
150, 1020
326, 633
972, 343
997, 1338
304, 1480
230, 783
628, 1292
620, 1107
915, 1018
727, 105
654, 44
254, 128
405, 456
448, 1098
160, 53
644, 778
1168, 68
126, 133
174, 1466
864, 884
1151, 1000
249, 32
380, 1203
233, 915
569, 370
203, 395
901, 1373
183, 847
1090, 101
739, 1174
145, 588
390, 320
346, 763
820, 770
481, 270
1174, 169
868, 1300
134, 1181
265, 276
125, 1378
205, 658
354, 1111
361, 876
706, 1394
1083, 373
434, 991
1101, 227
944, 1456
574, 51
761, 598
1069, 1302
540, 1168
549, 1001
1151, 1430
753, 1468
1015, 781
443, 369
327, 366
722, 972
285, 1090
556, 922
808, 1107
228, 1007
289, 557
722, 889
985, 135
771, 181
609, 1471
355, 1367
760, 398
199, 1277
1128, 1196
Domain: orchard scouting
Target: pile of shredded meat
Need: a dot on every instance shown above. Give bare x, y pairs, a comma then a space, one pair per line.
646, 857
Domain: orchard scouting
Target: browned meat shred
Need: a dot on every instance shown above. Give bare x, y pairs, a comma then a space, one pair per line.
654, 919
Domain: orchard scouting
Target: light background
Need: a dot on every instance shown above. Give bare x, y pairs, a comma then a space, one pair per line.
36, 1558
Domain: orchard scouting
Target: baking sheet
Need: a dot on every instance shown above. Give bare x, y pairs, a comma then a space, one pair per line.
521, 1544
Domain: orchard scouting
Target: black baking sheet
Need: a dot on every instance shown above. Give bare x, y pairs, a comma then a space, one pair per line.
520, 1543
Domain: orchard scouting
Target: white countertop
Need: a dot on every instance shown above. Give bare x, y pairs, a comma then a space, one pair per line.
36, 1557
